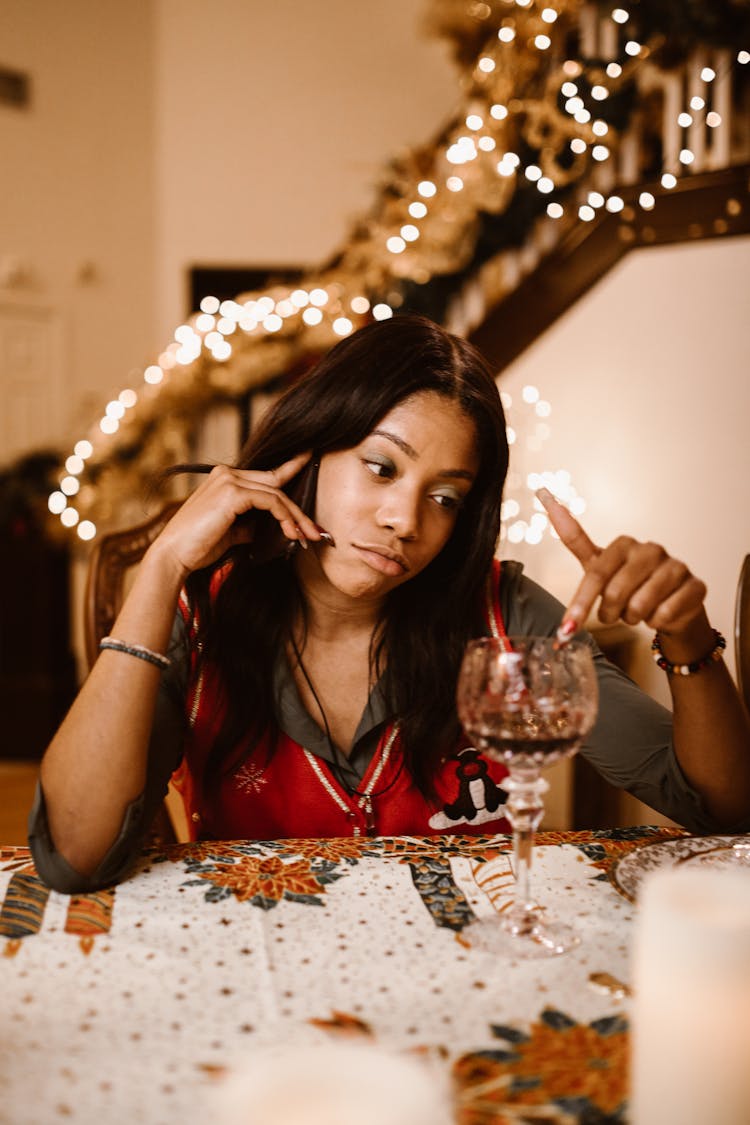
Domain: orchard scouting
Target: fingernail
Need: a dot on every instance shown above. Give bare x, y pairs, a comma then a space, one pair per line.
326, 536
545, 495
568, 627
301, 537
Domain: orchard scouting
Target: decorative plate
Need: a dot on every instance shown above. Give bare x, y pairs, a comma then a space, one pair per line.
628, 872
727, 855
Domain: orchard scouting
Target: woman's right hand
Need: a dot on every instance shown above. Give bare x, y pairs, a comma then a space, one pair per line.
207, 524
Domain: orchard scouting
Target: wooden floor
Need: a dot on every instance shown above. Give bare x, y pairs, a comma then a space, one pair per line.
17, 781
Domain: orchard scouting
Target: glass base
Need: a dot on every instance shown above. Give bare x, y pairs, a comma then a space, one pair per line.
532, 939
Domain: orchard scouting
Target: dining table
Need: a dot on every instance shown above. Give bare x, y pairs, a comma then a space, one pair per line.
137, 1002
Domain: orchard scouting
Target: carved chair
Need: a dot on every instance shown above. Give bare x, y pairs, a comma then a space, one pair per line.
742, 632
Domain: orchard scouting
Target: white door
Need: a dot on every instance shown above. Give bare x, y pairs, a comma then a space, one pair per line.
33, 410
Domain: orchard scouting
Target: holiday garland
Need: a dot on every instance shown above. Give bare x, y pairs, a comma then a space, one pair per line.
520, 148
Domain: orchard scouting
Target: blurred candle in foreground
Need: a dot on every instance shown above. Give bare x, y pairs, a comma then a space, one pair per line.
691, 1012
338, 1083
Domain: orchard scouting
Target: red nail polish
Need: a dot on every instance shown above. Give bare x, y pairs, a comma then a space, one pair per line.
567, 629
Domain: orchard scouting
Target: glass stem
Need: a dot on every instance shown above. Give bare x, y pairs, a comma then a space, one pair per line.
525, 809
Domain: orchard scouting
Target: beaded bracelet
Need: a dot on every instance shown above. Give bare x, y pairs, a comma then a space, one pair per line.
142, 653
688, 669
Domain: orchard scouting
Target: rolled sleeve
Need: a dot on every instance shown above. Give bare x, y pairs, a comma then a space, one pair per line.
54, 870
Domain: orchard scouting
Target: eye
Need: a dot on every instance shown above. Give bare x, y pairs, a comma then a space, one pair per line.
381, 467
450, 501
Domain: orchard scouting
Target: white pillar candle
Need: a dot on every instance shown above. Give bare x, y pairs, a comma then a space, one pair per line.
337, 1083
691, 1010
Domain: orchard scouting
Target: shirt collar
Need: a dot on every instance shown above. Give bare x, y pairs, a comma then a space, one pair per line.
295, 721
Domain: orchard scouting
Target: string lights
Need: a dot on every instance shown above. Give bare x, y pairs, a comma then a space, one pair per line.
524, 519
533, 120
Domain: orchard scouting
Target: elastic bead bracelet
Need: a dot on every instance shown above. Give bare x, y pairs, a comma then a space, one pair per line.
139, 651
688, 669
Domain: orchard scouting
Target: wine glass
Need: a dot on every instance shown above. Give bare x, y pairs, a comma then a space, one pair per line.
527, 702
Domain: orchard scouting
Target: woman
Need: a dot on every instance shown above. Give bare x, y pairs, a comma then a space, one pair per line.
309, 689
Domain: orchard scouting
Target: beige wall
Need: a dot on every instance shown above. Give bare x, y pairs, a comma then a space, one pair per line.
274, 121
77, 190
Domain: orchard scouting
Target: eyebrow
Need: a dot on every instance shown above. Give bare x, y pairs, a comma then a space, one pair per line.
411, 453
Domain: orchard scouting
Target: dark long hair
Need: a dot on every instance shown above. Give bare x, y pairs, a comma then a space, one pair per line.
427, 620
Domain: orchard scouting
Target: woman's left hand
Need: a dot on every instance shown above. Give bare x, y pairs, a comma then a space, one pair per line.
634, 581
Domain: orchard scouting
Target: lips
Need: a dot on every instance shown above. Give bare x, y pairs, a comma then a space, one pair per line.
382, 558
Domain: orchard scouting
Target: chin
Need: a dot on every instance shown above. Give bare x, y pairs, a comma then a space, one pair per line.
364, 588
361, 582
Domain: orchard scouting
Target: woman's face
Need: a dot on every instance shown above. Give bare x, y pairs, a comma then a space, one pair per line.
391, 502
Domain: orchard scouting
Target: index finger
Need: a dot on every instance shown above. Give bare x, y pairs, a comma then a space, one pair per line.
585, 550
289, 469
568, 528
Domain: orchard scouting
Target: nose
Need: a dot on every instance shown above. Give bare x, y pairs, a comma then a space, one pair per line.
399, 513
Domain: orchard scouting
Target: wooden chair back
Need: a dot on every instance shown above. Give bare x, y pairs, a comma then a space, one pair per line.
742, 631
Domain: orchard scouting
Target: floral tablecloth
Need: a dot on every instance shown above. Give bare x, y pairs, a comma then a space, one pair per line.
132, 1004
